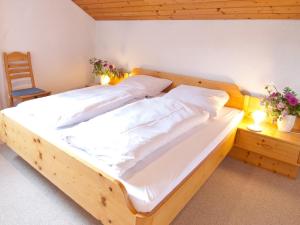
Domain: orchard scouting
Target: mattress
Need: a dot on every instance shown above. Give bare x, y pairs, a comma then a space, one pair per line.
152, 179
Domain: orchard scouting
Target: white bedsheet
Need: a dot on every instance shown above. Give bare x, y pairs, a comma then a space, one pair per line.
150, 181
132, 132
71, 107
160, 174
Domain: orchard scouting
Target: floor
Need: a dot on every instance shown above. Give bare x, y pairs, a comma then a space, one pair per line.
236, 194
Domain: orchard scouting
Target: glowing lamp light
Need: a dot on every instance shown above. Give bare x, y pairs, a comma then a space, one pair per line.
258, 117
105, 80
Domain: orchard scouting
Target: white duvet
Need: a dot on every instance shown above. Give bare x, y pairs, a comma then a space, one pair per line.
123, 137
79, 105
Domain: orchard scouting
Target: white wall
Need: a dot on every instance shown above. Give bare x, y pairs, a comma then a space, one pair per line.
60, 36
249, 53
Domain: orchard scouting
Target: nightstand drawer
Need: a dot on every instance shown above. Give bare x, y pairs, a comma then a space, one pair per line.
269, 147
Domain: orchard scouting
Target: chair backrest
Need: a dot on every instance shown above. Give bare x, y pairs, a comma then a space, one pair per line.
17, 66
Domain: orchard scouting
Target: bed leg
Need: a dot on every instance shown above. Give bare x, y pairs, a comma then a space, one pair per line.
142, 220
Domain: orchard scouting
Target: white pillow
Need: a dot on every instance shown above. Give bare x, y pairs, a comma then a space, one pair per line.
210, 100
151, 85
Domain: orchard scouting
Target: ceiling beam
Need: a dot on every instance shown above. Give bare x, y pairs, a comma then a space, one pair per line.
190, 9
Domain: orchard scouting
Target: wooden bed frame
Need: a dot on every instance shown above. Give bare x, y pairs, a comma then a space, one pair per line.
98, 193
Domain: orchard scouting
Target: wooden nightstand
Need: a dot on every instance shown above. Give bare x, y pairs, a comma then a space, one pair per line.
269, 149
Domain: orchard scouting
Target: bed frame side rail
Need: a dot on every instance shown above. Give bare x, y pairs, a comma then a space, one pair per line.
169, 208
102, 196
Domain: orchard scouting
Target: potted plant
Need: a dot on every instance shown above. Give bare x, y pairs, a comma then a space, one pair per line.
284, 107
107, 72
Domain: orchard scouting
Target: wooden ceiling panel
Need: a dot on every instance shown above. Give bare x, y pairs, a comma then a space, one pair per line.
190, 9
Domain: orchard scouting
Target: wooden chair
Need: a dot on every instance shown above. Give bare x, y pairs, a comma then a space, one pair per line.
18, 66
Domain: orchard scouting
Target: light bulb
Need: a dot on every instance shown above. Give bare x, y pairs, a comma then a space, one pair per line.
258, 118
105, 80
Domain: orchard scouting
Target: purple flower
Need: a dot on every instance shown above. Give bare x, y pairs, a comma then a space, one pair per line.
273, 95
289, 96
293, 101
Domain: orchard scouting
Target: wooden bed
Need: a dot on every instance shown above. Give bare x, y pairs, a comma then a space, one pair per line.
98, 193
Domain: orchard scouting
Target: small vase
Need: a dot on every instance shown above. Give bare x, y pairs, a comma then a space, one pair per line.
286, 123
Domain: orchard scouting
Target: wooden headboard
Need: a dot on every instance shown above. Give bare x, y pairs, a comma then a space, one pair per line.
236, 97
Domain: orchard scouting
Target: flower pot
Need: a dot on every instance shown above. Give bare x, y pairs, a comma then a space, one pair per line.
286, 123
